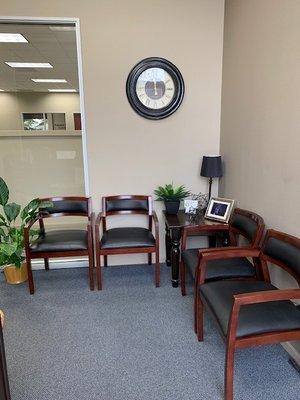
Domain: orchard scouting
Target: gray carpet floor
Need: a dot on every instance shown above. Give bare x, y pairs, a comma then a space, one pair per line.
130, 341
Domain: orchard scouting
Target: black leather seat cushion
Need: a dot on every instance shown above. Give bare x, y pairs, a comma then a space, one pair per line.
253, 318
218, 269
127, 237
61, 240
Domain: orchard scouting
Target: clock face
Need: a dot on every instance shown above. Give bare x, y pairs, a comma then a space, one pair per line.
155, 88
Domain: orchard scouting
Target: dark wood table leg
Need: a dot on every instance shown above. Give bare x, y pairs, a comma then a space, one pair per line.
219, 240
168, 246
212, 241
175, 255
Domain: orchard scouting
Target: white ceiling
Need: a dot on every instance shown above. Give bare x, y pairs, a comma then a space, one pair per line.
44, 45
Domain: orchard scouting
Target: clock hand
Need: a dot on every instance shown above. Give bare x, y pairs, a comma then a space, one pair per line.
155, 89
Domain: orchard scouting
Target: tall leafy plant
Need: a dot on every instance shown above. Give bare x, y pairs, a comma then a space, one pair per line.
171, 193
11, 230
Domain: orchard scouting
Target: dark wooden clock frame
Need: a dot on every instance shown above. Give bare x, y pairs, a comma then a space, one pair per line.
138, 69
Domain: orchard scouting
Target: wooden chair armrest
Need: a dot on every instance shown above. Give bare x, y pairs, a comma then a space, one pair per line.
30, 223
220, 254
266, 296
201, 229
228, 252
27, 227
2, 318
99, 219
154, 217
190, 230
91, 220
255, 298
156, 224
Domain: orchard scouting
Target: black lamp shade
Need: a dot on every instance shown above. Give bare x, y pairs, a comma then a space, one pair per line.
211, 166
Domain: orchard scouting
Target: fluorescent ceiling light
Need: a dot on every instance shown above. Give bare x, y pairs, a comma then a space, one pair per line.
49, 80
1, 90
62, 90
12, 38
62, 28
14, 64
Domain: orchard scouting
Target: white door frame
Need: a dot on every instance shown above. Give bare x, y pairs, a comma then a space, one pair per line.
67, 20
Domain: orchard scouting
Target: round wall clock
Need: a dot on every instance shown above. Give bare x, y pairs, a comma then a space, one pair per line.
155, 88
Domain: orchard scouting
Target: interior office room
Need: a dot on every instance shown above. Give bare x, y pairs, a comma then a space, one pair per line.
149, 200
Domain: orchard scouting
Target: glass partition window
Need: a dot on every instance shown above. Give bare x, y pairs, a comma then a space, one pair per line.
40, 150
43, 121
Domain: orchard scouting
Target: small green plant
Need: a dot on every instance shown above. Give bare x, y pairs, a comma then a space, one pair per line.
11, 232
171, 193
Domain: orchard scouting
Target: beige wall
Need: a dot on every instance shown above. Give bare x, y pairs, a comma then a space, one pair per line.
260, 138
126, 153
12, 105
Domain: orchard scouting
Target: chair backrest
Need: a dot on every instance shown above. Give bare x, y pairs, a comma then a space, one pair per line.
282, 250
68, 206
127, 204
248, 224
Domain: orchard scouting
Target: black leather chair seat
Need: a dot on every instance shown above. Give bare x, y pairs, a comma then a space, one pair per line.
253, 318
217, 269
61, 240
127, 237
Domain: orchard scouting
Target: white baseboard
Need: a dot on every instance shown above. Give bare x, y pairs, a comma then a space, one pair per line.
292, 351
61, 263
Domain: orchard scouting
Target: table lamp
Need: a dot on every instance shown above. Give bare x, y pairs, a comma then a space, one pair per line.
211, 168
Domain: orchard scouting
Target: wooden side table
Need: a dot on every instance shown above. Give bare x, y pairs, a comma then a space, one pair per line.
174, 227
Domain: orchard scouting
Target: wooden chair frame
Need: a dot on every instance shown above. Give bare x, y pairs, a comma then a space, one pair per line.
233, 235
56, 254
101, 219
232, 342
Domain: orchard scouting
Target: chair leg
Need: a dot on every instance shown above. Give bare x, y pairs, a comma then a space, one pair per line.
182, 278
91, 269
30, 276
229, 371
105, 261
98, 270
157, 269
199, 317
46, 262
149, 258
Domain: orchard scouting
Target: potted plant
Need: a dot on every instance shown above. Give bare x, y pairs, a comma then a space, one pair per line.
172, 196
12, 234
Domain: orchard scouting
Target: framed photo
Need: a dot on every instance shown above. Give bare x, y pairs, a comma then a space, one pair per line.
219, 209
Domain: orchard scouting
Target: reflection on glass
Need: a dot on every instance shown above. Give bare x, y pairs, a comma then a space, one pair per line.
44, 121
35, 122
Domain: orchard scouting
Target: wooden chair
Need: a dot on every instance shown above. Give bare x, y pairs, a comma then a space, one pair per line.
243, 223
127, 240
251, 313
61, 243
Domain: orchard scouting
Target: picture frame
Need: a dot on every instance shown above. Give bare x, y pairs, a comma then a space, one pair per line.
219, 209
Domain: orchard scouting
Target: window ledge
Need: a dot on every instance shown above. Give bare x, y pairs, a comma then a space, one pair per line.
29, 134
